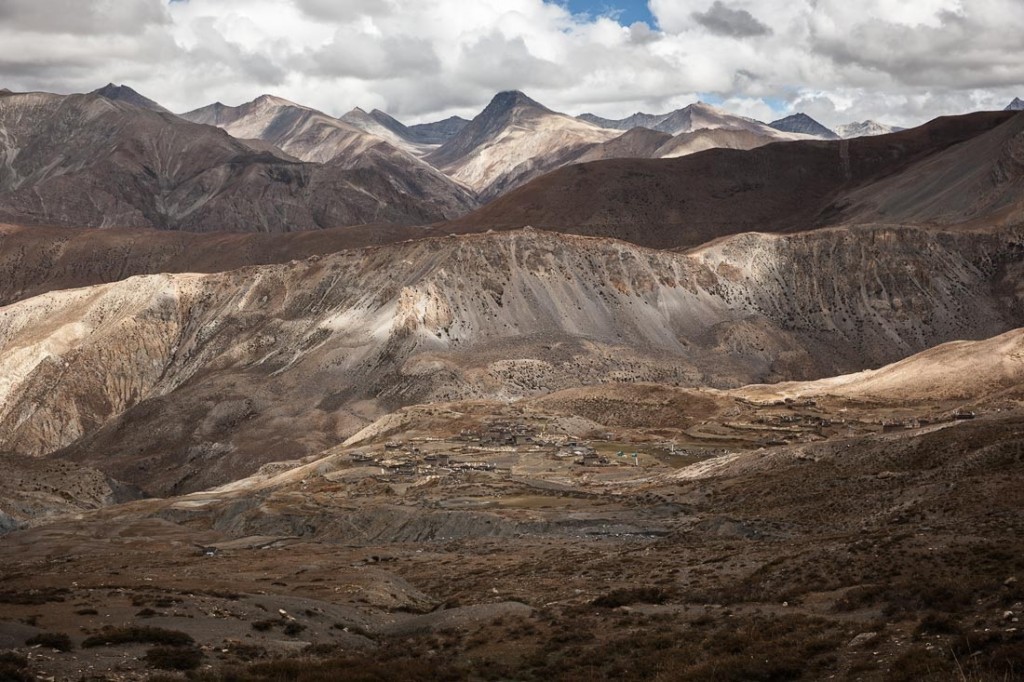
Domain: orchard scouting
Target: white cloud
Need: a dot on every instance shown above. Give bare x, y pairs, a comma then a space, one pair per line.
903, 61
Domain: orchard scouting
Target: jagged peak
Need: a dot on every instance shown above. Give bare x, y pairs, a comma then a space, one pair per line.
124, 93
798, 116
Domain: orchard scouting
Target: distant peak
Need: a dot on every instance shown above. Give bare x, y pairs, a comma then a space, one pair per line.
123, 93
111, 90
1016, 105
274, 100
513, 99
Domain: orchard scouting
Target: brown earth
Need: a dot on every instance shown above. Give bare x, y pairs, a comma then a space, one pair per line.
857, 553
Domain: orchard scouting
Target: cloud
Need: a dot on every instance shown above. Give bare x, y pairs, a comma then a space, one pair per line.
421, 59
332, 10
737, 23
73, 17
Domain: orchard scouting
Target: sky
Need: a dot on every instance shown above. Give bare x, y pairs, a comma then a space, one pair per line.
902, 62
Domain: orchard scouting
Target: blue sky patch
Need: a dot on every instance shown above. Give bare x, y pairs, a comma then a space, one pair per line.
625, 11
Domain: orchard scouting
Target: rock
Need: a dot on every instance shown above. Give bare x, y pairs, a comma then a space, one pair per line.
863, 639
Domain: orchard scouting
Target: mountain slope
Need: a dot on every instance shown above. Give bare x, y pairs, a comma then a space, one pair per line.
511, 141
703, 139
637, 143
1016, 105
435, 133
35, 260
390, 130
958, 370
439, 132
88, 161
978, 182
685, 202
182, 381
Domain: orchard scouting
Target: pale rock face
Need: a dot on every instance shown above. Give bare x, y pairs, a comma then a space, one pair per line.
304, 133
865, 129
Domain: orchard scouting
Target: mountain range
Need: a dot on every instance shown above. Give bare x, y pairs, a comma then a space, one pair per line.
289, 167
529, 396
89, 161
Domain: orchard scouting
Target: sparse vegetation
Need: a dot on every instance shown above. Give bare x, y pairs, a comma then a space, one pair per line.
632, 595
174, 657
51, 640
14, 668
36, 596
138, 634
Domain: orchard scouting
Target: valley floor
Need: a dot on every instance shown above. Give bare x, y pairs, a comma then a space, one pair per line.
798, 539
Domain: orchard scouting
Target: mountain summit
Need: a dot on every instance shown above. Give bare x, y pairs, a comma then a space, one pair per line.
803, 124
1016, 105
498, 114
512, 140
122, 93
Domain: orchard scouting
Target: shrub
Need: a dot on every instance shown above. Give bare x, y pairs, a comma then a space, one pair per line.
937, 624
174, 657
142, 635
14, 668
292, 629
51, 640
635, 595
33, 597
